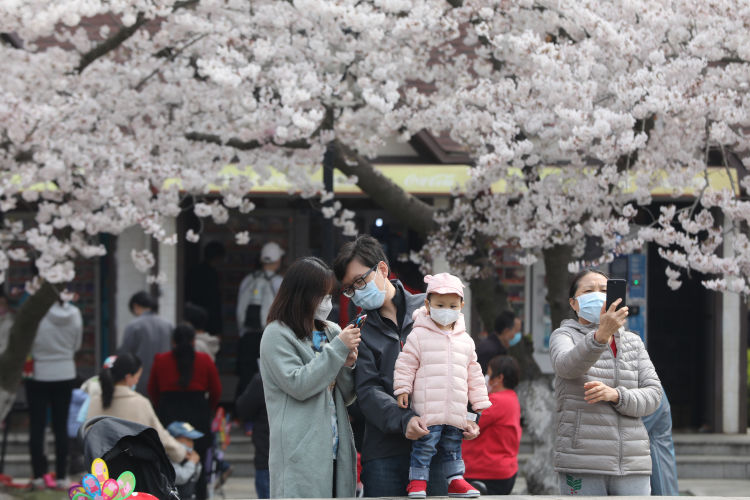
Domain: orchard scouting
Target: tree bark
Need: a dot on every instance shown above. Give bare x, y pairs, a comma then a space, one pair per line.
22, 335
556, 261
416, 214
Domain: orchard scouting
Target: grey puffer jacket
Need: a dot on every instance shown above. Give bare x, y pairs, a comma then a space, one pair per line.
602, 438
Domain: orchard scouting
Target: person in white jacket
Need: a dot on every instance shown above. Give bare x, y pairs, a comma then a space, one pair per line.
57, 339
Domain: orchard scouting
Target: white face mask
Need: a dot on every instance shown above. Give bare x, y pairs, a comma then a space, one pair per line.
444, 317
324, 308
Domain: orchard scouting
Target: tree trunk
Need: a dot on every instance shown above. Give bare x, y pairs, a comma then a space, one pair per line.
416, 214
21, 338
556, 261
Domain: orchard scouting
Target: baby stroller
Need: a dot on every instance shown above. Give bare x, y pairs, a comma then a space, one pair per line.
126, 445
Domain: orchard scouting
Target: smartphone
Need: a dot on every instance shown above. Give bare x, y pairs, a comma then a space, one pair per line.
360, 321
616, 289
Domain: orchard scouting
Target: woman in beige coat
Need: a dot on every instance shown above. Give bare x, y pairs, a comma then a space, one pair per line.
118, 398
604, 383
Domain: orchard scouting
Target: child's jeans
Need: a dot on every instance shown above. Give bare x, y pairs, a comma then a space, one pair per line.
445, 440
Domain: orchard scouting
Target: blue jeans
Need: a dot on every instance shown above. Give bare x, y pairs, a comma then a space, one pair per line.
444, 443
262, 483
388, 477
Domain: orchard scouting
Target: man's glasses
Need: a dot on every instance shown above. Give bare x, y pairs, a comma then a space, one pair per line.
357, 284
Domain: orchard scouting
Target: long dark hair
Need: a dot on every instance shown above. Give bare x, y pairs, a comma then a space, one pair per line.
125, 364
305, 284
184, 352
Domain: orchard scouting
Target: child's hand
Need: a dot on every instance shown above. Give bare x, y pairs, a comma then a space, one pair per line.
403, 400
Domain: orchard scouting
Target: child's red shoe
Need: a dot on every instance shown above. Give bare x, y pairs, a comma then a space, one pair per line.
459, 488
417, 489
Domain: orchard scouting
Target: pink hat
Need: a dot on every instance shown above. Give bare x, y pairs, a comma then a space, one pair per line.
444, 283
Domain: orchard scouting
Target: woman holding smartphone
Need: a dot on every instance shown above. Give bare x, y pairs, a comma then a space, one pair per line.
306, 366
604, 383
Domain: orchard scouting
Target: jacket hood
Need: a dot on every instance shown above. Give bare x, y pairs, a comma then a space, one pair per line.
422, 319
61, 315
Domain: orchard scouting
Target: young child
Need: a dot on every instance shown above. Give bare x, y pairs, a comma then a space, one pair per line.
438, 366
187, 472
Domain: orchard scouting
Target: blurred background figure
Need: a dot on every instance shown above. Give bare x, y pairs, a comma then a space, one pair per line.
189, 470
145, 336
49, 390
184, 386
251, 408
204, 341
506, 333
203, 286
254, 299
663, 462
492, 458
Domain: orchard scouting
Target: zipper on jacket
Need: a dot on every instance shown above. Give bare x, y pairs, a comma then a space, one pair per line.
619, 417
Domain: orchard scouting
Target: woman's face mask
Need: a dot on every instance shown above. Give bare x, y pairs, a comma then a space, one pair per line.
590, 306
324, 308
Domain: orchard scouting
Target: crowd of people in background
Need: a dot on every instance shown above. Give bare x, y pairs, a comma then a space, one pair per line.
377, 408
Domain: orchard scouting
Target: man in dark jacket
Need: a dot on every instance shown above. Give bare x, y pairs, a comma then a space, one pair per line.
506, 333
362, 268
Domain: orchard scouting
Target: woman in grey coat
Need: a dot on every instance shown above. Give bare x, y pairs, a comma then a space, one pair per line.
306, 364
604, 383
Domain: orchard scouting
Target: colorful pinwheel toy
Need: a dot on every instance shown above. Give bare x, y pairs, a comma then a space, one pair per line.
99, 486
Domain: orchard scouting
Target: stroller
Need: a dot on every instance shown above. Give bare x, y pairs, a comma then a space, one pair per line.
126, 445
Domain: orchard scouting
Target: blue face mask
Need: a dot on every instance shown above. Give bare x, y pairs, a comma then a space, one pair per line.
515, 340
370, 297
590, 306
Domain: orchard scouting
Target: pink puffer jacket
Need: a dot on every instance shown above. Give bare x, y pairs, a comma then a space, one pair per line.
440, 371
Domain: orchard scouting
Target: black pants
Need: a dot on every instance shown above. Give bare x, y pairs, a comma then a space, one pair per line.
55, 396
498, 486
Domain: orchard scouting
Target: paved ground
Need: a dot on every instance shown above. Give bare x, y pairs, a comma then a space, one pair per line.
243, 488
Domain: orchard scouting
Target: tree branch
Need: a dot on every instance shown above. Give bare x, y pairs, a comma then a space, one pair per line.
111, 43
416, 214
244, 145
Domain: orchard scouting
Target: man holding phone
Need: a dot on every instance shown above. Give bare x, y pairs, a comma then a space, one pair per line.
362, 268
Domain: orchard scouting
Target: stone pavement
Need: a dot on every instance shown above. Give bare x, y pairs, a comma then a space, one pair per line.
244, 488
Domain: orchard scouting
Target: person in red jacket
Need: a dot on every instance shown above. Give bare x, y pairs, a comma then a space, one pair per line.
492, 458
184, 386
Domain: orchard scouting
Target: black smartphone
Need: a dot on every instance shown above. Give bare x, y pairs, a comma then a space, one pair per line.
616, 289
360, 321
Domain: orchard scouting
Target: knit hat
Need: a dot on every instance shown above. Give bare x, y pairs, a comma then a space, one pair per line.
444, 283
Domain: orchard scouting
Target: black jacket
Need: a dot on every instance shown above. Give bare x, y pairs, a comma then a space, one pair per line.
385, 422
251, 406
488, 349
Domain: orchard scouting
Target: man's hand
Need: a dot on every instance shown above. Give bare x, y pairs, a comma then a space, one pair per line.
403, 400
472, 430
351, 358
597, 391
415, 429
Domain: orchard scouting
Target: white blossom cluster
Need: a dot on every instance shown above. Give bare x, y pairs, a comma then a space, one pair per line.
618, 97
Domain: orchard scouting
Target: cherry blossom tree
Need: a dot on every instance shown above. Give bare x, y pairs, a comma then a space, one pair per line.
117, 113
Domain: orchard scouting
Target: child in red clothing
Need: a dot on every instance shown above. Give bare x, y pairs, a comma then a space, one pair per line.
492, 458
